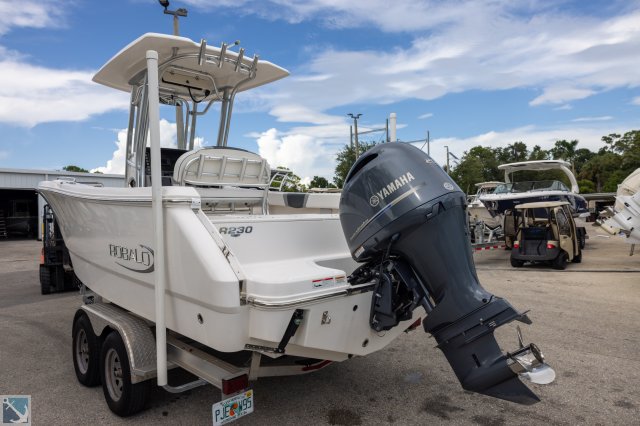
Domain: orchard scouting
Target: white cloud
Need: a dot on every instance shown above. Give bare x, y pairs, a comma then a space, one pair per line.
4, 155
39, 95
564, 107
168, 139
589, 137
303, 154
601, 118
30, 13
561, 95
470, 45
425, 116
636, 100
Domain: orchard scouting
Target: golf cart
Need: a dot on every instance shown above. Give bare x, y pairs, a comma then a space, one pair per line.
546, 232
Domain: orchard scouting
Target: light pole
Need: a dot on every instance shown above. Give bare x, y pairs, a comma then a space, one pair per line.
448, 172
355, 128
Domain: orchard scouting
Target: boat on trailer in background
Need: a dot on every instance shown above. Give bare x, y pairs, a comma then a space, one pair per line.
179, 267
511, 193
624, 218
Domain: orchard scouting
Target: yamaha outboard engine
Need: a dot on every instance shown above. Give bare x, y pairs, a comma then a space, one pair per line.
406, 220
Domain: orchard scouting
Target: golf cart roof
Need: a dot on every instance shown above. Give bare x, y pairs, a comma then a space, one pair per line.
542, 205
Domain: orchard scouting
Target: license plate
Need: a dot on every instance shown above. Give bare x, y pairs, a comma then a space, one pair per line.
232, 408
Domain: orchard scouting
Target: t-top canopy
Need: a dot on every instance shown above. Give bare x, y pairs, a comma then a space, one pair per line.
534, 165
187, 74
541, 165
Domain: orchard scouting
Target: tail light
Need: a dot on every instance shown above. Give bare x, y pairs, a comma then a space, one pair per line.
516, 244
551, 245
235, 384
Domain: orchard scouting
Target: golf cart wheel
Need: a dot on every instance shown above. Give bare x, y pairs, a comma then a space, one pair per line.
86, 352
560, 262
577, 258
582, 241
516, 263
45, 279
123, 397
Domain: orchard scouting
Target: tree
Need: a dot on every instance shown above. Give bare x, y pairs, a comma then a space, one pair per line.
72, 168
479, 164
320, 182
537, 154
291, 183
345, 159
628, 146
564, 150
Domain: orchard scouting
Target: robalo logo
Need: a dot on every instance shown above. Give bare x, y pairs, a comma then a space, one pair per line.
134, 259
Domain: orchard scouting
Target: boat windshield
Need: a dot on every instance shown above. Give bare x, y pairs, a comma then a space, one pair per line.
503, 188
527, 186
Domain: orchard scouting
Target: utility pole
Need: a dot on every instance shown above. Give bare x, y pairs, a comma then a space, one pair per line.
447, 159
355, 128
351, 136
428, 145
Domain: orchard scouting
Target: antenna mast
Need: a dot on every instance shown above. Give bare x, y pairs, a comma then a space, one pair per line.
176, 14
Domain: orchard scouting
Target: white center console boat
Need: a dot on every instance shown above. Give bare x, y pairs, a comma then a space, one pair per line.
196, 255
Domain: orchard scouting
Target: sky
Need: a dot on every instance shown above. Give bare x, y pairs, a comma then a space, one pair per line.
468, 72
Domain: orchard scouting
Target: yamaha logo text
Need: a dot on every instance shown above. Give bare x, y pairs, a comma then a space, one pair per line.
390, 188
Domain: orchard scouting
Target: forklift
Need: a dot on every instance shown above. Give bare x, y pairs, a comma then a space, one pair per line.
56, 270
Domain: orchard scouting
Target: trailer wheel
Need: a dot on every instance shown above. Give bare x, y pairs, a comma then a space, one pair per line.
560, 262
86, 352
45, 279
123, 397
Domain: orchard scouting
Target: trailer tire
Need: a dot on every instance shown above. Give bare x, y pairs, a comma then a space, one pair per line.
123, 397
560, 262
86, 352
45, 279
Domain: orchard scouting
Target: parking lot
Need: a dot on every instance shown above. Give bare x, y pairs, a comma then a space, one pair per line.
585, 319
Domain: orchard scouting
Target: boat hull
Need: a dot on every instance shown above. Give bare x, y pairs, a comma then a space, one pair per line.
215, 294
497, 204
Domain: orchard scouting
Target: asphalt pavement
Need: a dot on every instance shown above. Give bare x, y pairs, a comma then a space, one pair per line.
585, 319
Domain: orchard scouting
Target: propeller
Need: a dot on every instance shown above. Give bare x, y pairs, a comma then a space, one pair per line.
528, 362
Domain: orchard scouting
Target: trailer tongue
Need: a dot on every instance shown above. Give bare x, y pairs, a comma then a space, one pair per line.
405, 219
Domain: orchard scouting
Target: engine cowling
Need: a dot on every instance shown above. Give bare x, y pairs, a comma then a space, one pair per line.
405, 219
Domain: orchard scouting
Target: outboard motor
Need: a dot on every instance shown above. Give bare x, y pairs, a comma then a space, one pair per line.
406, 220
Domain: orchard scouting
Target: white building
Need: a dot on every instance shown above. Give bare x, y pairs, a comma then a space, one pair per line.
20, 205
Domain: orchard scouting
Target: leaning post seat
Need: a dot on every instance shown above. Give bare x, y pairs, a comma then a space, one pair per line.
224, 167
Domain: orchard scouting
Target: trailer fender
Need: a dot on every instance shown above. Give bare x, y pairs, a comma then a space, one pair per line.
135, 332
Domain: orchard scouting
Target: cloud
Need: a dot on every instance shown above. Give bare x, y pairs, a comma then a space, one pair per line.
468, 45
564, 107
30, 13
589, 137
4, 155
636, 100
168, 139
39, 95
303, 154
425, 116
601, 118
